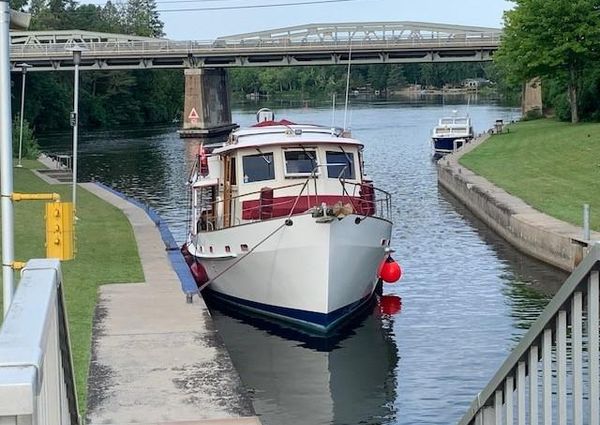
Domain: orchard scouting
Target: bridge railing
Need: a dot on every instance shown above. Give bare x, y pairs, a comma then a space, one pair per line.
128, 47
552, 375
36, 379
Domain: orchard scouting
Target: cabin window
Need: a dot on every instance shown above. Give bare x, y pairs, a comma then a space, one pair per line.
258, 167
340, 164
300, 163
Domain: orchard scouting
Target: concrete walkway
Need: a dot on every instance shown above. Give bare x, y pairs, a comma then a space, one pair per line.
531, 231
155, 359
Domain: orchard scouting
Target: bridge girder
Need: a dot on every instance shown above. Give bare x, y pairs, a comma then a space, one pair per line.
316, 44
364, 31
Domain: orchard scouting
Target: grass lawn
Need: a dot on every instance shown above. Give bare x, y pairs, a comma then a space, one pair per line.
106, 253
553, 166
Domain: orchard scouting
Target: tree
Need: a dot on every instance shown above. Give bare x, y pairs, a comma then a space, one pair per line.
18, 4
29, 147
556, 39
141, 18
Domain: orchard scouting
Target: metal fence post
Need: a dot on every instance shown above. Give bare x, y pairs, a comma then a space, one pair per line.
6, 173
587, 235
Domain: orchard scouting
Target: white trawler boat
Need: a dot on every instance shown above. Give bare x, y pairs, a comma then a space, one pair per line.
285, 223
451, 133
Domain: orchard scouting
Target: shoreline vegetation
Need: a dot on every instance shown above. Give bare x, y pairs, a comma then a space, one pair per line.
106, 253
552, 166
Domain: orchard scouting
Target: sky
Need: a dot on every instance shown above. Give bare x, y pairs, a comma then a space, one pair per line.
208, 25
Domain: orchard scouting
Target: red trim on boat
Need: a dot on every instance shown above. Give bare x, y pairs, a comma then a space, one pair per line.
273, 207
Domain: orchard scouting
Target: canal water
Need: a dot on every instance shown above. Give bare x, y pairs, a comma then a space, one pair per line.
465, 298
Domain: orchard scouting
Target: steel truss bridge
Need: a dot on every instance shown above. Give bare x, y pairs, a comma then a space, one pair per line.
316, 44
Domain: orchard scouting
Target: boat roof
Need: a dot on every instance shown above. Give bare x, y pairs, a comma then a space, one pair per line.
286, 135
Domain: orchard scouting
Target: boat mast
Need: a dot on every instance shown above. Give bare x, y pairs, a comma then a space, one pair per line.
347, 85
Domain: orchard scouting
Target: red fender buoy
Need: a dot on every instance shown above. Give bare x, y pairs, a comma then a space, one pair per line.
187, 256
203, 162
199, 273
389, 270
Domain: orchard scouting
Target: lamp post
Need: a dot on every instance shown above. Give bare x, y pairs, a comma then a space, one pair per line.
75, 121
6, 168
23, 67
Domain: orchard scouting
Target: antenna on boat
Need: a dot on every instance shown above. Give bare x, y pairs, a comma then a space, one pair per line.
347, 85
334, 96
468, 103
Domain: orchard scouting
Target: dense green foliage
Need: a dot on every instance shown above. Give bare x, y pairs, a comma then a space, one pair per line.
325, 80
102, 257
107, 98
552, 166
29, 145
559, 41
131, 98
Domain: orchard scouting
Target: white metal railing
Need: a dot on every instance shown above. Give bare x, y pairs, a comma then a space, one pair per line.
36, 379
162, 47
552, 376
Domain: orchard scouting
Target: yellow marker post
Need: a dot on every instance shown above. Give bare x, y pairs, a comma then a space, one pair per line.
59, 230
17, 197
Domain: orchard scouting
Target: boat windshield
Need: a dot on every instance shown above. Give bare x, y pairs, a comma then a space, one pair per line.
258, 167
340, 164
300, 163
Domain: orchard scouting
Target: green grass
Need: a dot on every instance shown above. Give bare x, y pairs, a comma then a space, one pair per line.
106, 253
552, 166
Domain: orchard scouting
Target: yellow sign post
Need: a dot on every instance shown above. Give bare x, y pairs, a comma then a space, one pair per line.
59, 230
59, 224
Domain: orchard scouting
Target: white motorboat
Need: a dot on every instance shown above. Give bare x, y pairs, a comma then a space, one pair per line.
284, 222
451, 133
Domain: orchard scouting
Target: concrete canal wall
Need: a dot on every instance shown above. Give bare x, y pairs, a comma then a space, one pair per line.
155, 358
553, 241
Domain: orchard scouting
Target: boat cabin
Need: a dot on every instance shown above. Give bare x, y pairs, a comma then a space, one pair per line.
455, 126
279, 169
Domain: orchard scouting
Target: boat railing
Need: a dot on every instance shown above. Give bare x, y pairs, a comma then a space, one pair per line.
554, 371
215, 219
381, 203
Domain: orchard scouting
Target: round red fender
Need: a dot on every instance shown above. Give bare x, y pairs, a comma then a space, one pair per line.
199, 273
186, 255
203, 162
389, 270
390, 304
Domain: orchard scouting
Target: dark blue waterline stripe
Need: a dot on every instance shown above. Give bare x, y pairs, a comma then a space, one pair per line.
188, 284
321, 320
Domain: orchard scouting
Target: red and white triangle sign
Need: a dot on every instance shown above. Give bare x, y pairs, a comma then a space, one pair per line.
193, 114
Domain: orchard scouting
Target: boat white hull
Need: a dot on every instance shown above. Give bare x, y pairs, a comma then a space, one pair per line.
314, 274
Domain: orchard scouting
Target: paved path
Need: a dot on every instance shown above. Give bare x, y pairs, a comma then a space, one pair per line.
155, 359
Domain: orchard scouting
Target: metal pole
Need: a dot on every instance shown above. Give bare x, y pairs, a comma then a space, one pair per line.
587, 235
75, 122
6, 172
24, 79
347, 85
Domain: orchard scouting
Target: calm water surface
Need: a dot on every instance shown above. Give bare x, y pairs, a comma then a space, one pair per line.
466, 295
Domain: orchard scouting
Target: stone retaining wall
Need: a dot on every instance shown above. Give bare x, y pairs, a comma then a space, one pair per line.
532, 232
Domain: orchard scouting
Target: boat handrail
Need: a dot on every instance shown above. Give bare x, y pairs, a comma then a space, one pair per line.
381, 204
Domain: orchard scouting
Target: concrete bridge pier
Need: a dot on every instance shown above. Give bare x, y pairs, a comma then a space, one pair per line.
531, 103
207, 109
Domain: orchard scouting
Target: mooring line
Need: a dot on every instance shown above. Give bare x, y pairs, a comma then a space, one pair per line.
287, 222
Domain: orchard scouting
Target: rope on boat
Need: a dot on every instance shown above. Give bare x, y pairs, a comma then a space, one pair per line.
286, 223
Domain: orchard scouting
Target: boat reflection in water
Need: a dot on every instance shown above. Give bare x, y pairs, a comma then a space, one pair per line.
298, 378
